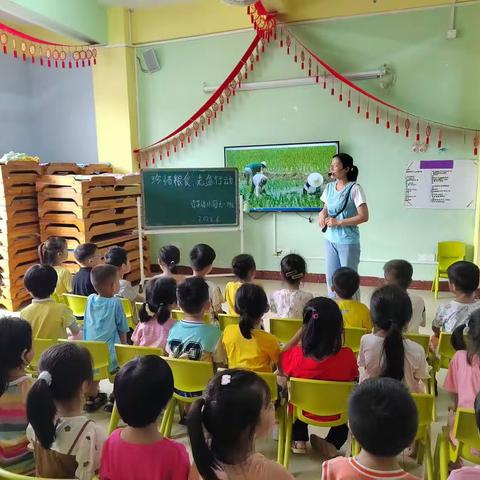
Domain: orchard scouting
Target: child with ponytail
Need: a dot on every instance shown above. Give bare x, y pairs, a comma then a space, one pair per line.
15, 354
66, 444
385, 353
247, 345
168, 260
319, 356
463, 377
54, 252
155, 314
235, 410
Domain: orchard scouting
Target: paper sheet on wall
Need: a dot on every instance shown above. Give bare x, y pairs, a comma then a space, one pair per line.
447, 184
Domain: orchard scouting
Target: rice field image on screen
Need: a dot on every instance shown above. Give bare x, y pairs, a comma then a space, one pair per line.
282, 177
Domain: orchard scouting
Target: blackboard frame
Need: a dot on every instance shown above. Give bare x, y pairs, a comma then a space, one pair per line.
159, 228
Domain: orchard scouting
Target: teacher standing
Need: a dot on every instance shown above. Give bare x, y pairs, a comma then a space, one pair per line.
345, 207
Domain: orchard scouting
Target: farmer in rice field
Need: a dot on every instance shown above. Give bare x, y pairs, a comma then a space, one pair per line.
252, 169
313, 185
259, 181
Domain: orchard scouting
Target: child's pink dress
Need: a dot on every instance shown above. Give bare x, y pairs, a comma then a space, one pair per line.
152, 334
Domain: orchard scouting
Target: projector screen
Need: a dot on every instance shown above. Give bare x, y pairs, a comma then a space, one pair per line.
282, 178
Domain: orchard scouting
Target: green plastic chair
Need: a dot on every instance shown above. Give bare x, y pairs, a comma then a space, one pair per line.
447, 253
352, 337
284, 328
6, 475
224, 320
39, 346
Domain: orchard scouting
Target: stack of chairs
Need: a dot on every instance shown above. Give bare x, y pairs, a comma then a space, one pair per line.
19, 229
92, 208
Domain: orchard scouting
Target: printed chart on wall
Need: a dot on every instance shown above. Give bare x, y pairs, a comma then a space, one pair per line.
441, 184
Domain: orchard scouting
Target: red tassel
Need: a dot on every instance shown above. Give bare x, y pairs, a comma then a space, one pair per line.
332, 91
63, 64
388, 124
358, 109
397, 129
5, 49
367, 115
49, 63
24, 57
69, 64
94, 61
377, 120
407, 128
349, 103
76, 64
407, 133
41, 61
153, 158
324, 83
475, 151
340, 97
15, 54
33, 59
83, 63
417, 136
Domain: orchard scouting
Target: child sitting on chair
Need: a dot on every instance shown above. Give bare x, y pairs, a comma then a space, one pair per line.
48, 318
290, 301
345, 284
244, 268
191, 337
54, 252
155, 315
118, 257
383, 419
202, 257
247, 345
463, 280
105, 321
142, 389
87, 256
399, 273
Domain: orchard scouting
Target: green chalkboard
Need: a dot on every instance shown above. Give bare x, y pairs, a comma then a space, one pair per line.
183, 197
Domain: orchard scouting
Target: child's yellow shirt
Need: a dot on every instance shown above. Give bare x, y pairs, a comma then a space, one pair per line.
355, 314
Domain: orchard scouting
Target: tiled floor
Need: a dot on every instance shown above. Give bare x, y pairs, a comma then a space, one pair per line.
306, 467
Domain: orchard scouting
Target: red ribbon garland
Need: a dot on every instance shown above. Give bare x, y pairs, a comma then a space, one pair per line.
240, 65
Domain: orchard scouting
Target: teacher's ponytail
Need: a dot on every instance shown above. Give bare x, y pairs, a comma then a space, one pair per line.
347, 162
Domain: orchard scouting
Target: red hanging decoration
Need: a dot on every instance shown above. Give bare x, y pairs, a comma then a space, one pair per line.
160, 153
476, 142
317, 76
439, 142
387, 123
367, 111
202, 122
358, 105
324, 81
289, 44
340, 96
310, 66
281, 38
397, 125
417, 135
295, 57
428, 132
302, 59
31, 47
377, 117
407, 127
181, 137
175, 144
188, 133
349, 102
209, 116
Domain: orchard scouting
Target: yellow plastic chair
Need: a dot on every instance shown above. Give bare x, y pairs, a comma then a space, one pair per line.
180, 315
445, 349
39, 346
125, 353
189, 376
6, 475
324, 399
280, 412
76, 303
466, 432
352, 337
224, 320
424, 403
447, 253
285, 328
100, 357
421, 339
129, 313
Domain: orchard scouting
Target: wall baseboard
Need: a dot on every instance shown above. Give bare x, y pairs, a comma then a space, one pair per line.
313, 278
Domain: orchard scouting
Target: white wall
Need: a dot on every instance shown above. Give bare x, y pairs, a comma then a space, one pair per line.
47, 112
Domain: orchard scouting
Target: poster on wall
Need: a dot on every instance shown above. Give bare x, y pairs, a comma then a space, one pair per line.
441, 184
282, 178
